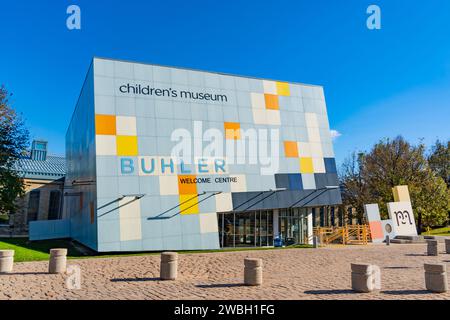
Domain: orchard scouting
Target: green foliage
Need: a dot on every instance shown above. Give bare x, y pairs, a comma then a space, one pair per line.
439, 160
370, 177
13, 143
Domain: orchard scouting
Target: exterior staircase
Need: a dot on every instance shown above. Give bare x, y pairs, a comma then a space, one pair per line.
349, 234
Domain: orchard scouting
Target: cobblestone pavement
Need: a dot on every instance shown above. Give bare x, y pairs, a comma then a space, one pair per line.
288, 274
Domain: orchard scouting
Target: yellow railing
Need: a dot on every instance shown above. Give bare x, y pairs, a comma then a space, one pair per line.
349, 234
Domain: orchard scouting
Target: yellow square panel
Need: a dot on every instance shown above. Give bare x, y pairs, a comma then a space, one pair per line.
283, 89
306, 165
127, 146
189, 204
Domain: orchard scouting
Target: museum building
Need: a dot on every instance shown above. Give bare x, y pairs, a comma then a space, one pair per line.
165, 158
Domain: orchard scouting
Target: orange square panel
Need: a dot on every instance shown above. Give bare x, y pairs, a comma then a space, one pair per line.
232, 130
271, 101
290, 149
105, 124
376, 230
186, 184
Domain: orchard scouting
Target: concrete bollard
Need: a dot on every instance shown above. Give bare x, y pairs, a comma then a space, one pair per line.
365, 277
6, 261
169, 266
447, 245
253, 273
58, 261
436, 277
315, 241
432, 247
388, 240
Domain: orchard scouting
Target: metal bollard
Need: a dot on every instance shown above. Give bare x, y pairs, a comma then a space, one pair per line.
315, 241
365, 277
253, 273
436, 277
58, 261
447, 245
169, 266
6, 261
388, 240
432, 247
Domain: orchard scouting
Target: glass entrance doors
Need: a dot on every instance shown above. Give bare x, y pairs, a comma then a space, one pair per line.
293, 224
246, 229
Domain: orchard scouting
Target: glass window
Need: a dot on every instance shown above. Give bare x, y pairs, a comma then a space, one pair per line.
53, 206
322, 216
226, 230
33, 205
332, 216
244, 226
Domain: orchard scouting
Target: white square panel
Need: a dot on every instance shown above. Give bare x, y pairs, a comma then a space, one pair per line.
258, 101
313, 134
309, 183
304, 149
316, 149
259, 116
130, 219
319, 165
270, 87
224, 202
311, 120
126, 126
327, 149
208, 223
273, 117
105, 145
168, 185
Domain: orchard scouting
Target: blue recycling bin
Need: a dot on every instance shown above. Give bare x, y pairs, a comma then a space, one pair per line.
278, 241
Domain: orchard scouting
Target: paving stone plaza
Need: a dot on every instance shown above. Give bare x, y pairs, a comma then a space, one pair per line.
323, 273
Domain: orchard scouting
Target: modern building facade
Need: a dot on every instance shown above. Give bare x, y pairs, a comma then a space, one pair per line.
43, 177
163, 158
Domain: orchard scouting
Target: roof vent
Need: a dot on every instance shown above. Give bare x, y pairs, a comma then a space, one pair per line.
39, 150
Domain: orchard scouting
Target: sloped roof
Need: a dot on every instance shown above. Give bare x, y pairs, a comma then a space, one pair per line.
52, 168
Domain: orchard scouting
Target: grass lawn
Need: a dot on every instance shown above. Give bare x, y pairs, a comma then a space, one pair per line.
438, 232
26, 250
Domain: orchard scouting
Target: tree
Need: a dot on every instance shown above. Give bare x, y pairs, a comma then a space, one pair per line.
391, 163
355, 192
388, 164
431, 201
13, 144
439, 160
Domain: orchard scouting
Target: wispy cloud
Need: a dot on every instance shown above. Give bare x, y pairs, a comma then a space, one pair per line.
335, 134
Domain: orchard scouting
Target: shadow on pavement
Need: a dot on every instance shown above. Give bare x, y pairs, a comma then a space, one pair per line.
27, 273
135, 279
416, 255
335, 291
406, 292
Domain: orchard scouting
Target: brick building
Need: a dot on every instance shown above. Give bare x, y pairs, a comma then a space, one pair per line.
43, 176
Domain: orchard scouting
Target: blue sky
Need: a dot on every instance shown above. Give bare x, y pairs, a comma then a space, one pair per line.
377, 83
